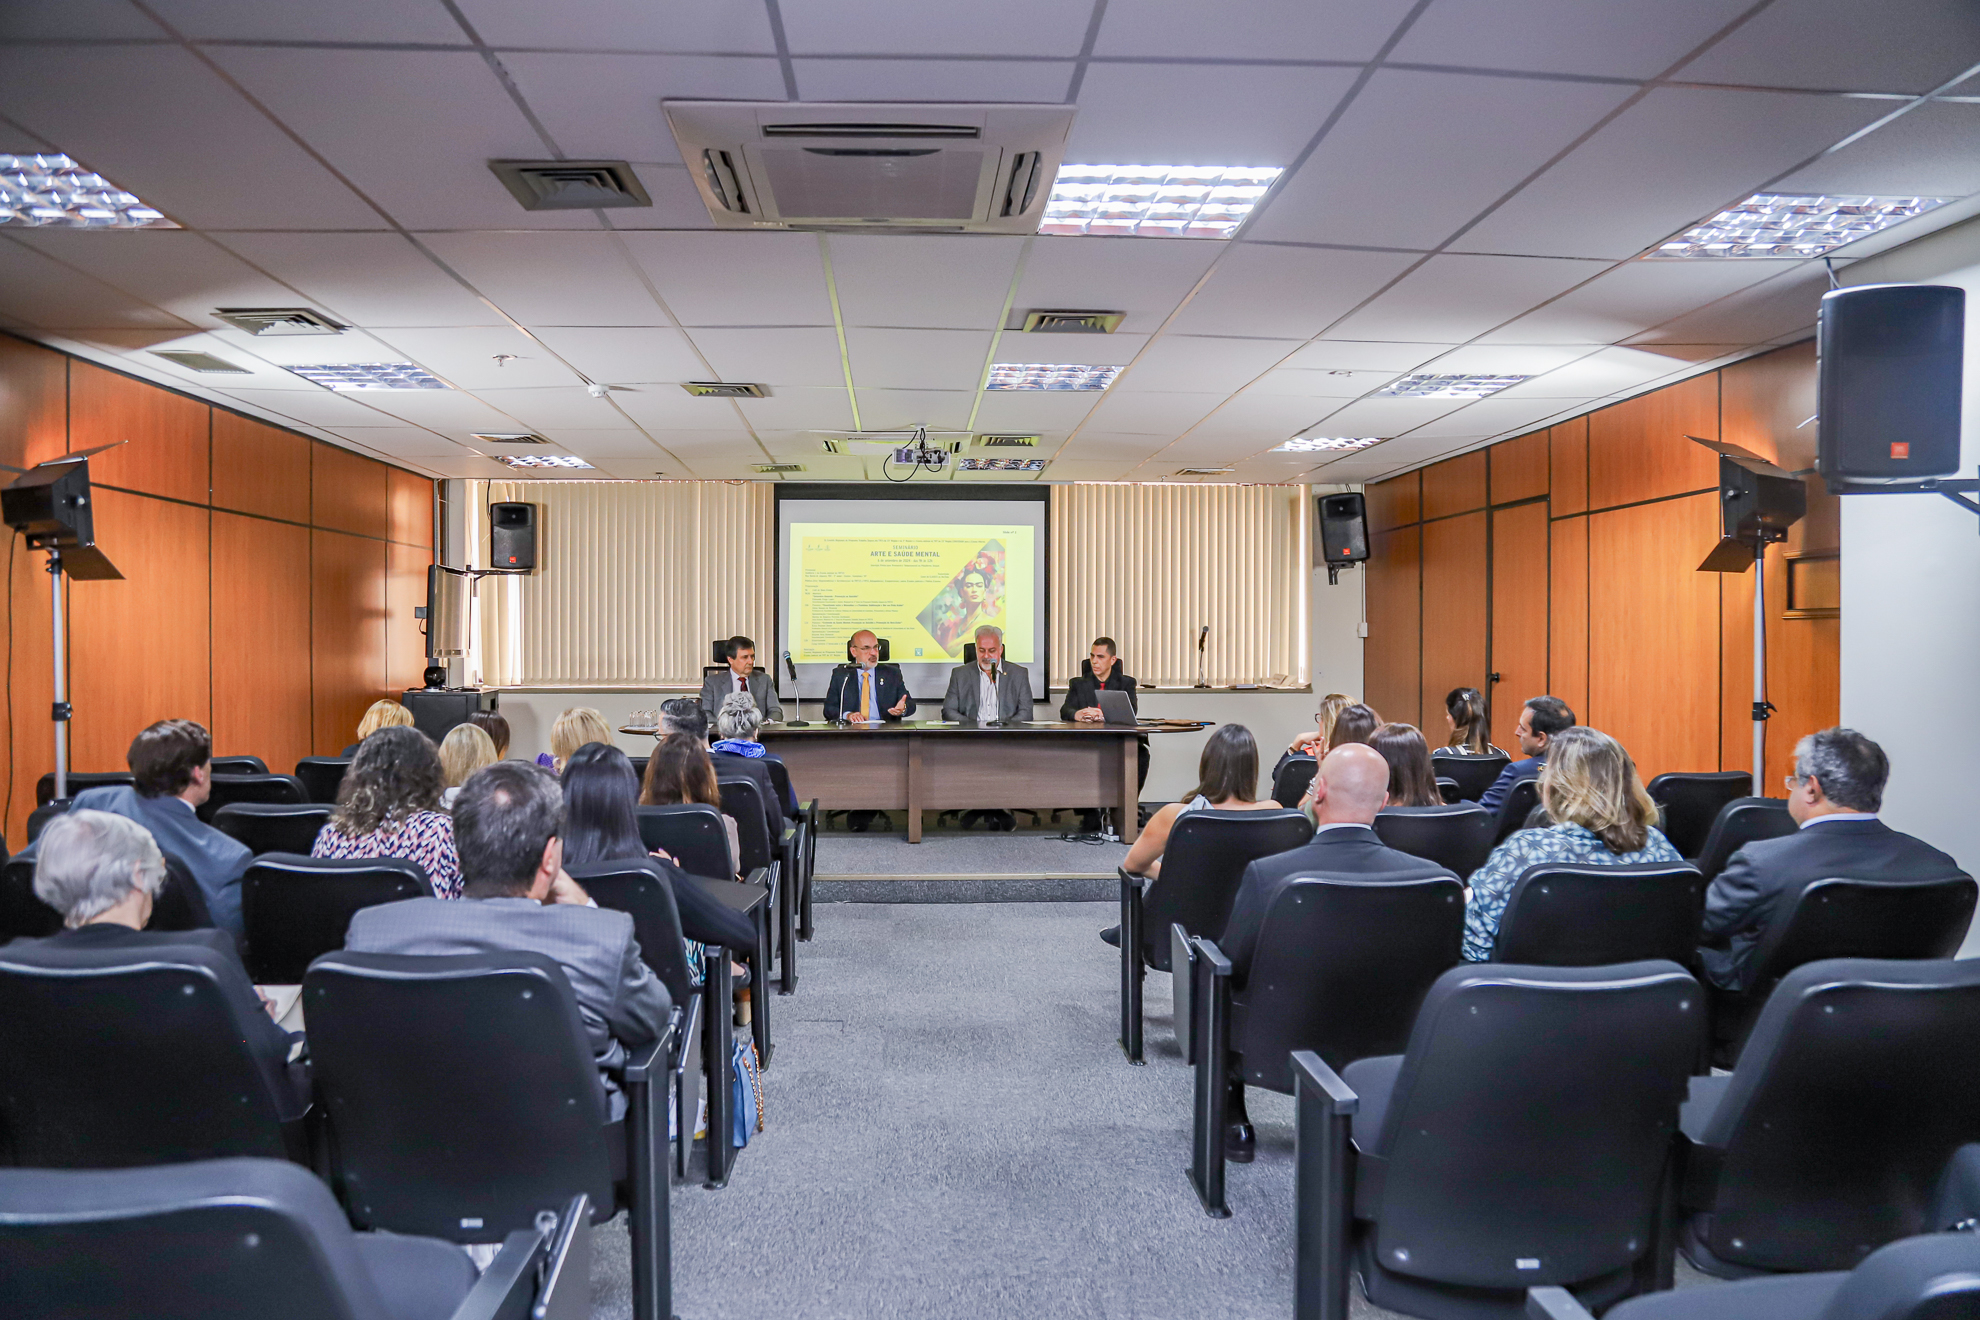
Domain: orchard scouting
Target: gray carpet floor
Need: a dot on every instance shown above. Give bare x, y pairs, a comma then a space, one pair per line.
974, 852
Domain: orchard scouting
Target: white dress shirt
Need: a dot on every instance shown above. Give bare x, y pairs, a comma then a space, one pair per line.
986, 694
1837, 815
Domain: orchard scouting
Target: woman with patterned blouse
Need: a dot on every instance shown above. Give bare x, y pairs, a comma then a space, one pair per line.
1590, 787
389, 806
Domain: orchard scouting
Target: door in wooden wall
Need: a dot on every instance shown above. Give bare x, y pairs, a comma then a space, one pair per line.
1454, 615
1519, 614
1395, 604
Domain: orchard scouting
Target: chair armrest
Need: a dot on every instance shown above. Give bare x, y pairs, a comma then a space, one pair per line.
507, 1288
689, 1020
1206, 948
1554, 1304
1312, 1072
1182, 989
644, 1060
1323, 1188
789, 835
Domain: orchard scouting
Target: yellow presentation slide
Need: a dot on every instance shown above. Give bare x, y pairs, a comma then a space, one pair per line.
925, 587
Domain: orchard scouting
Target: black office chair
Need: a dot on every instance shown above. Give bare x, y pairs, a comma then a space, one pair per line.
38, 818
1447, 790
1201, 866
106, 1061
1562, 915
885, 651
272, 827
1341, 965
639, 767
79, 781
322, 776
799, 845
295, 908
1458, 836
692, 834
1692, 801
1740, 822
1562, 1082
282, 790
178, 905
761, 830
240, 1239
1859, 1081
238, 765
1474, 774
1521, 801
1291, 780
465, 1101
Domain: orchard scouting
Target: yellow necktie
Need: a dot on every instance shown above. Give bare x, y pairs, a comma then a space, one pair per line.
866, 694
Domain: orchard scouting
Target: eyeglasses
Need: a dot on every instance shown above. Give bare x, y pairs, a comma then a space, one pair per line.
1792, 782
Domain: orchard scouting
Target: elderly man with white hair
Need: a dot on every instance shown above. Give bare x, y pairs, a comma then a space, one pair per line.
989, 690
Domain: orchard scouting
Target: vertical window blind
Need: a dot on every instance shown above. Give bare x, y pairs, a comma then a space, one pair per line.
633, 581
1149, 565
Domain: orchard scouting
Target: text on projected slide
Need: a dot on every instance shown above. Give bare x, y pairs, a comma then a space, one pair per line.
926, 588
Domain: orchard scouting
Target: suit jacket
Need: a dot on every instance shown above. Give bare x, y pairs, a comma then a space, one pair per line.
1764, 876
965, 697
217, 861
1341, 850
842, 693
1495, 796
620, 1000
214, 949
1083, 692
716, 687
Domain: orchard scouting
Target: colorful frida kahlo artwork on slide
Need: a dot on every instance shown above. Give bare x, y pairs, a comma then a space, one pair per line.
967, 601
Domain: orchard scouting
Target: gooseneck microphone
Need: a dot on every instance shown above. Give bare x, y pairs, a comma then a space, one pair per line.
797, 698
1201, 638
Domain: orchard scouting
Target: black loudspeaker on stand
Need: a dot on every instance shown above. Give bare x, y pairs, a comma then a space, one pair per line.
1343, 533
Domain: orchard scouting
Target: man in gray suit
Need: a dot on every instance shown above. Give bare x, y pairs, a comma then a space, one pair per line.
741, 676
989, 689
516, 897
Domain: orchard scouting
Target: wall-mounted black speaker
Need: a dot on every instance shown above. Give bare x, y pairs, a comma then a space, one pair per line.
1890, 359
1343, 529
512, 537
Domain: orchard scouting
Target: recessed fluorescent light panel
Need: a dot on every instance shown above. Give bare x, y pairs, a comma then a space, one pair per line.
1317, 444
203, 362
1154, 201
1047, 376
371, 376
544, 461
1785, 225
1001, 465
53, 191
1447, 387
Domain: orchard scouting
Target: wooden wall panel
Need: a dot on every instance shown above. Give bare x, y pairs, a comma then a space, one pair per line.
1395, 503
167, 451
1393, 655
34, 403
1456, 485
348, 492
1654, 633
1637, 449
1765, 403
1567, 614
1567, 456
405, 588
140, 649
1454, 613
411, 499
259, 468
1519, 614
1519, 468
347, 632
261, 632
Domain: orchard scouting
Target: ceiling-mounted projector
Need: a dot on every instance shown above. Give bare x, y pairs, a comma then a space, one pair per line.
976, 169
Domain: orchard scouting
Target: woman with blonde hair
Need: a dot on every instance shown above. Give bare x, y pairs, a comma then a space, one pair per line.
465, 749
574, 728
382, 714
1601, 815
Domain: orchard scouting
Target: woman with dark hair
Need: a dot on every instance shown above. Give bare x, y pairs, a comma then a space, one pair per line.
389, 806
496, 727
1464, 711
1354, 723
1412, 783
680, 771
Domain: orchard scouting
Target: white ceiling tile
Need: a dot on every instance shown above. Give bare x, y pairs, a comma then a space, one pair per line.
1117, 349
1190, 363
1001, 81
1142, 277
444, 410
1034, 410
1113, 445
1418, 155
1611, 38
1266, 418
1287, 292
1386, 358
364, 279
347, 20
1484, 417
551, 279
608, 444
799, 409
155, 121
1384, 417
775, 357
1151, 412
404, 441
667, 408
314, 406
1076, 469
1453, 298
911, 27
1632, 297
660, 466
466, 358
176, 270
1505, 359
1894, 46
1692, 353
883, 410
40, 291
1753, 316
1928, 152
1644, 176
303, 350
608, 105
1200, 114
261, 374
1269, 29
30, 20
1291, 382
957, 282
736, 278
681, 25
721, 444
675, 202
555, 409
1610, 371
917, 359
626, 355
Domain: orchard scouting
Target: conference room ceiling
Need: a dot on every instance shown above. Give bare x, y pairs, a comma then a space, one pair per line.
1470, 186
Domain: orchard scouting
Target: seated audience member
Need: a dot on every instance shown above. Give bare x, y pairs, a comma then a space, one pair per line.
101, 871
574, 728
496, 727
1539, 720
382, 714
465, 749
1834, 795
1464, 711
172, 762
1603, 818
509, 820
1355, 723
991, 689
679, 771
863, 691
1314, 742
683, 715
741, 678
737, 721
1351, 785
389, 806
1412, 783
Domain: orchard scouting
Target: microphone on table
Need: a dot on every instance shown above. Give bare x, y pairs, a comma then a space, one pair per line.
1201, 637
798, 697
994, 717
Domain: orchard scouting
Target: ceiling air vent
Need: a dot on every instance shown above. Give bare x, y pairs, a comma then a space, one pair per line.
872, 168
1073, 323
716, 389
1006, 442
776, 467
1204, 472
509, 438
204, 362
273, 321
570, 185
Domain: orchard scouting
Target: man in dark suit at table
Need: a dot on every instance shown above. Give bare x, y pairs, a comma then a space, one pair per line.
1540, 719
866, 691
989, 690
742, 675
1834, 795
1082, 703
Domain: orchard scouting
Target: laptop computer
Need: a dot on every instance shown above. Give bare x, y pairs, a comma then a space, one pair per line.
1115, 708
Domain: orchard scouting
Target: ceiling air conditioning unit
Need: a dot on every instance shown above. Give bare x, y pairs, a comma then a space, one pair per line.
959, 169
